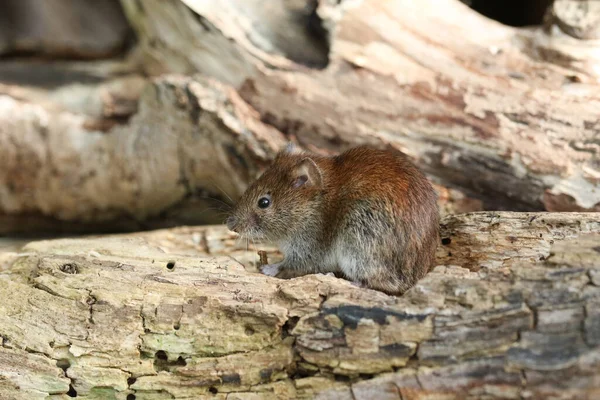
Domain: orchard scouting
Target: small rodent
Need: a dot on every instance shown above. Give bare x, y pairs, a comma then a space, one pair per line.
368, 215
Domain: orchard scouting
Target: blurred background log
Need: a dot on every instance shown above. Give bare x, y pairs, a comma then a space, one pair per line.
80, 29
499, 117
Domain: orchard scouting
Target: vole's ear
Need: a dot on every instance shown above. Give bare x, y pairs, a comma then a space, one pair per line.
308, 173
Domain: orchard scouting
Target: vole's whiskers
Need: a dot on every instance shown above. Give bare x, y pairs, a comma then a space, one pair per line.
211, 209
248, 239
255, 251
216, 211
222, 191
238, 240
228, 206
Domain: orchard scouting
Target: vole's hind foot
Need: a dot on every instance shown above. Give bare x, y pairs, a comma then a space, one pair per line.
271, 269
359, 284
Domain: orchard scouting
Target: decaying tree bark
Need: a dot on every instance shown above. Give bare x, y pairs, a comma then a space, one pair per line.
503, 118
172, 314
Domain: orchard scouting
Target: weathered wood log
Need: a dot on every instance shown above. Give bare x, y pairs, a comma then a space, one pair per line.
499, 240
55, 162
466, 133
501, 114
509, 114
578, 19
172, 314
191, 145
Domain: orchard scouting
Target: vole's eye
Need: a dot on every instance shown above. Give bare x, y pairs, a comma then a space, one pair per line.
264, 202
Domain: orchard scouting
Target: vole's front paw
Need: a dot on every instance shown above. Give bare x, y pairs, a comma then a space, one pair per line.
271, 269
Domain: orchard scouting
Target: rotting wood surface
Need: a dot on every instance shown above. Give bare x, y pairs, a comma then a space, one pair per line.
172, 314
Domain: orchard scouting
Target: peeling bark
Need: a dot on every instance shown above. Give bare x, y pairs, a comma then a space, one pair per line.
172, 314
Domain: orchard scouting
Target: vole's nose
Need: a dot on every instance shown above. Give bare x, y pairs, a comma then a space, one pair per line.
232, 223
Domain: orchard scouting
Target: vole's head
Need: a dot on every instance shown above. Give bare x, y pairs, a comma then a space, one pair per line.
282, 200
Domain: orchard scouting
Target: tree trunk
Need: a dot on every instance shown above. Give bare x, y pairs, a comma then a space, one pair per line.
146, 315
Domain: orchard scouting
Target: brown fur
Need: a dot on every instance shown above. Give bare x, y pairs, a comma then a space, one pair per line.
369, 215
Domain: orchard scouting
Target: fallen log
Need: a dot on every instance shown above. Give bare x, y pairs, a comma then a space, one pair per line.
507, 114
156, 168
183, 313
159, 166
503, 118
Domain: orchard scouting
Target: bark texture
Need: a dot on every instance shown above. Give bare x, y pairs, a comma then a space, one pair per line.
182, 313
